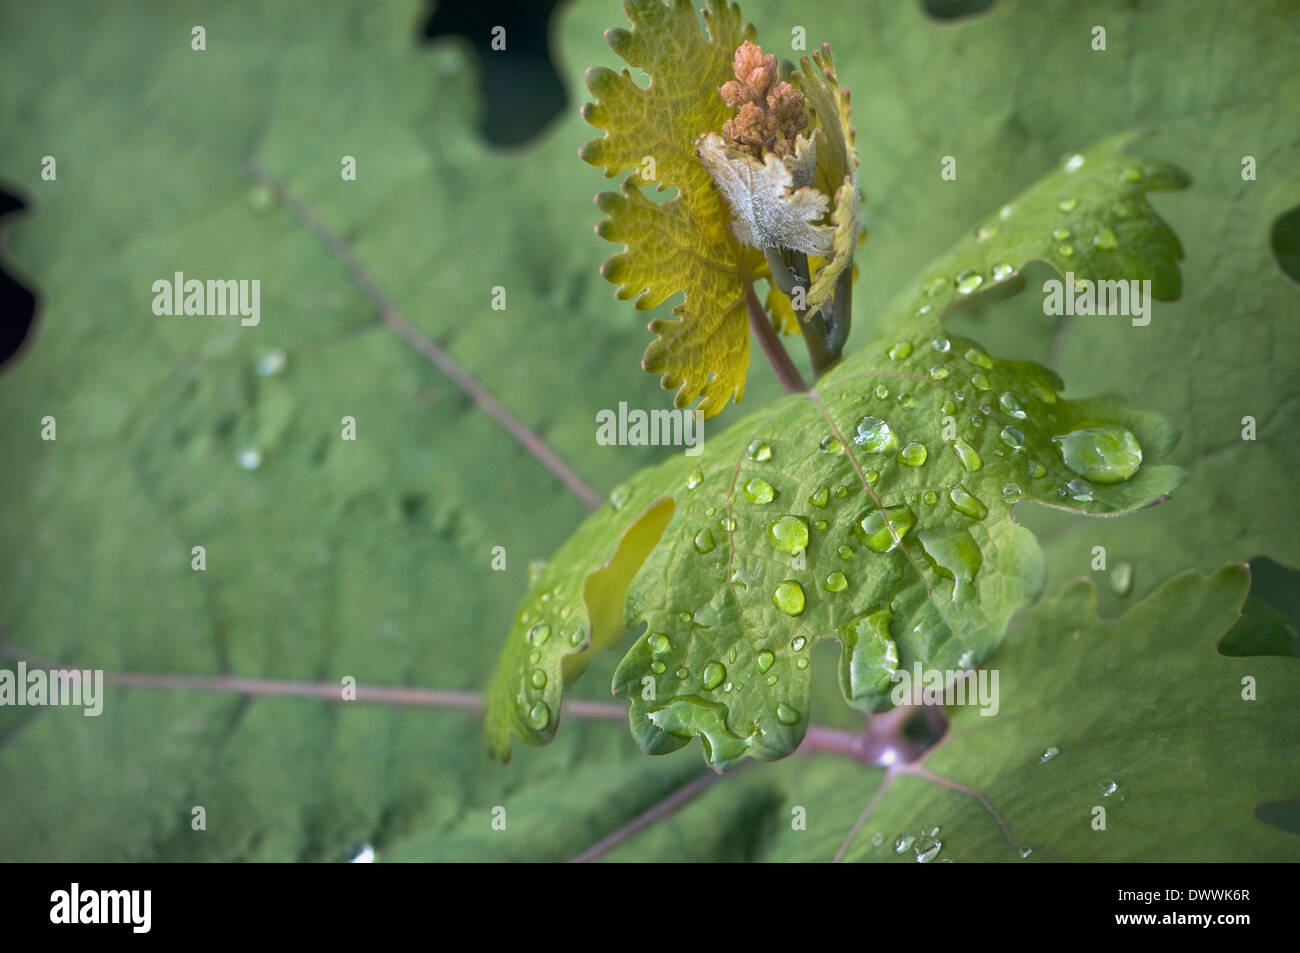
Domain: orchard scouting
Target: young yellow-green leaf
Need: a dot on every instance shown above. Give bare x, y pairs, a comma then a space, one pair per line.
876, 510
684, 244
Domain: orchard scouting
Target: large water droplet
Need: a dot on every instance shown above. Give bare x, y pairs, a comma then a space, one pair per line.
938, 372
1002, 271
758, 490
874, 436
1108, 787
956, 556
836, 582
829, 444
759, 450
1079, 489
821, 496
539, 716
913, 455
1010, 493
1121, 578
1105, 454
967, 454
714, 674
899, 351
658, 643
764, 660
1013, 404
789, 534
942, 345
538, 634
787, 715
1012, 437
979, 358
882, 530
902, 842
964, 502
968, 281
704, 541
789, 597
985, 232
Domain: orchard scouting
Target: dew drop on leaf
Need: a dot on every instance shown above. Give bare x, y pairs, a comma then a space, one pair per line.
968, 281
1121, 578
829, 444
1104, 240
704, 541
967, 503
942, 345
658, 643
821, 496
538, 634
913, 455
759, 490
1002, 271
882, 530
759, 450
1013, 438
789, 534
969, 457
874, 436
836, 582
764, 660
714, 674
899, 351
1049, 754
695, 479
1107, 454
1068, 205
789, 597
787, 715
539, 716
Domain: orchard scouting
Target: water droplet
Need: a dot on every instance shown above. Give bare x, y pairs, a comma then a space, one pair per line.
789, 534
727, 523
759, 451
1012, 404
787, 715
658, 643
261, 198
829, 444
820, 525
942, 345
922, 311
759, 490
1035, 470
764, 660
684, 616
772, 679
704, 541
902, 842
985, 232
836, 582
789, 597
271, 362
979, 357
1106, 454
1108, 787
1060, 234
969, 457
1013, 438
929, 497
577, 636
1025, 851
539, 716
1049, 754
250, 459
938, 372
1042, 393
964, 502
934, 286
1004, 213
1010, 493
1080, 489
821, 496
981, 382
913, 455
1104, 240
899, 351
845, 553
682, 673
538, 679
1068, 205
929, 852
695, 479
1130, 173
882, 530
798, 642
538, 634
657, 667
841, 492
874, 436
1002, 271
710, 511
618, 499
1121, 578
713, 675
967, 281
1065, 251
882, 392
1073, 164
801, 664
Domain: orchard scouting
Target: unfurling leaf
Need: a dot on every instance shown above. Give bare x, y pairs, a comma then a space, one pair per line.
876, 510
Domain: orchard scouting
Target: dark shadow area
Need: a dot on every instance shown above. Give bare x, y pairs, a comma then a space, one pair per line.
17, 303
1285, 242
522, 91
954, 9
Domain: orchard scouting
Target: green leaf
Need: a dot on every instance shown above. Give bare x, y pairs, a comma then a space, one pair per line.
876, 510
1143, 701
683, 244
